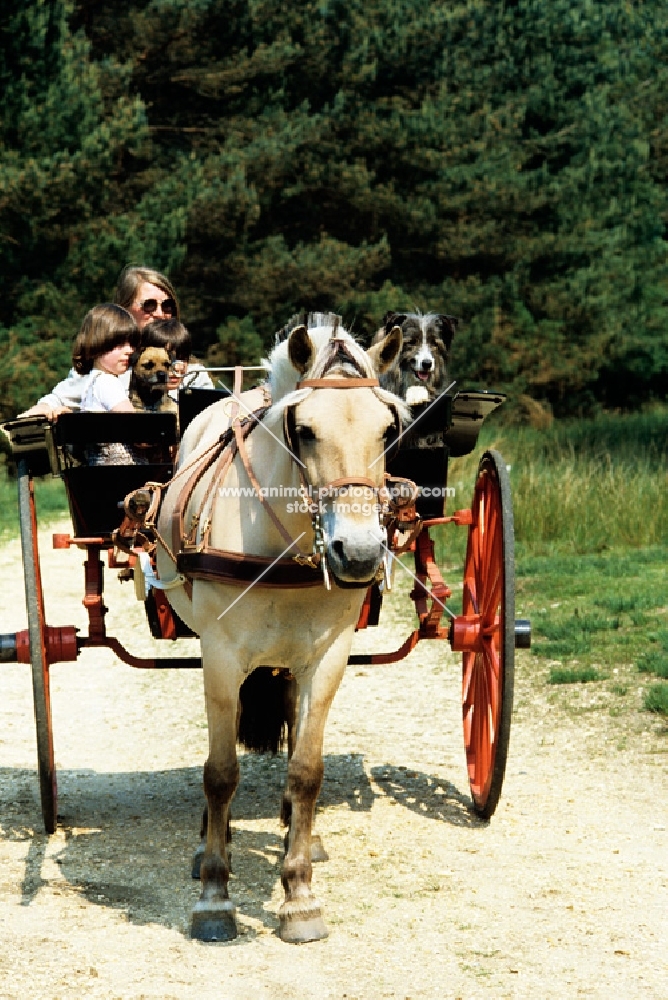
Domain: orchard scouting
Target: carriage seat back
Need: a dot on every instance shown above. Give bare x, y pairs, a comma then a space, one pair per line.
95, 491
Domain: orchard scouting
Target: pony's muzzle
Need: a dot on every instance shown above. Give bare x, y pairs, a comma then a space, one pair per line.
356, 557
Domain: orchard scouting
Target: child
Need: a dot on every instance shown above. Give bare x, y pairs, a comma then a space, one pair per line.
101, 352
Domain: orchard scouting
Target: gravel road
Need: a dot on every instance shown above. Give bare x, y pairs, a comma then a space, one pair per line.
563, 894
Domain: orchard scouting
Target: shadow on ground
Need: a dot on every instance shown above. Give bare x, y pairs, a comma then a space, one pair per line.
130, 836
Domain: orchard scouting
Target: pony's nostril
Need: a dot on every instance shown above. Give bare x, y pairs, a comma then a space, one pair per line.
337, 546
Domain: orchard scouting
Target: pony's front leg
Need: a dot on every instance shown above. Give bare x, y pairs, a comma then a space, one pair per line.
301, 915
213, 914
290, 699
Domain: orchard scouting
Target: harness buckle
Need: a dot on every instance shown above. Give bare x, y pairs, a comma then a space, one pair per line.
311, 561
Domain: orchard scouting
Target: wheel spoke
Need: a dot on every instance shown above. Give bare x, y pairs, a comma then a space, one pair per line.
481, 734
492, 681
469, 668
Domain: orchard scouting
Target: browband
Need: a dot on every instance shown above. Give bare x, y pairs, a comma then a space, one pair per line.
338, 383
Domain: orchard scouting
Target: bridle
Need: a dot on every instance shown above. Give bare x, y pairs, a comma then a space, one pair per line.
338, 352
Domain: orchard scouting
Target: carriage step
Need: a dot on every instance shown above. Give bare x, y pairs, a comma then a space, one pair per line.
522, 633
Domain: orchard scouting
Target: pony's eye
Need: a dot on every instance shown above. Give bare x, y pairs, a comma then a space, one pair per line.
305, 433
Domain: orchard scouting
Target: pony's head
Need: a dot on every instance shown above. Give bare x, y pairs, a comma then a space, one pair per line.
339, 434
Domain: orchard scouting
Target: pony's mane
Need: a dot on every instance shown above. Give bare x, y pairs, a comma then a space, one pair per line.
322, 327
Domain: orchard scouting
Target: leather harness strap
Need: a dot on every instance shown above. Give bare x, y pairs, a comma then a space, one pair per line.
275, 520
340, 484
338, 383
200, 560
219, 565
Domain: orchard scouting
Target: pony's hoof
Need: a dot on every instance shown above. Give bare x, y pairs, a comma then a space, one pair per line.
213, 921
197, 861
301, 921
318, 852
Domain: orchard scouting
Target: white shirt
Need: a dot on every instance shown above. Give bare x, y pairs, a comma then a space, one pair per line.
68, 392
101, 392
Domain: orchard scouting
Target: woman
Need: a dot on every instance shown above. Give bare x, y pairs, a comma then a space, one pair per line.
146, 294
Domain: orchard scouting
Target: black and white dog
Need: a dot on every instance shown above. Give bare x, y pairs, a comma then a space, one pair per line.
420, 373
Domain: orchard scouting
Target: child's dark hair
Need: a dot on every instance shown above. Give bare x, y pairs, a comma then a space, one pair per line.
104, 327
170, 334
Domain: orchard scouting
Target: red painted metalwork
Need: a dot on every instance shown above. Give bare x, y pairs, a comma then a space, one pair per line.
427, 570
60, 644
487, 659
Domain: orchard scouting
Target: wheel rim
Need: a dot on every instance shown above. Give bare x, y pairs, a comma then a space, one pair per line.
488, 591
38, 649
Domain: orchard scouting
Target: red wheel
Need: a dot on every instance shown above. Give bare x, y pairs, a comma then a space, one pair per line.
38, 647
488, 674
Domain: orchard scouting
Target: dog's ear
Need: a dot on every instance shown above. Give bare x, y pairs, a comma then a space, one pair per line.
447, 326
393, 319
134, 357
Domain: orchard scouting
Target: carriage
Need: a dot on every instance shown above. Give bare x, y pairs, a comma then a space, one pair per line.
101, 502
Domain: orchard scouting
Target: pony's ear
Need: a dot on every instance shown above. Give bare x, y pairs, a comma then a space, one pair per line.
385, 353
300, 349
448, 326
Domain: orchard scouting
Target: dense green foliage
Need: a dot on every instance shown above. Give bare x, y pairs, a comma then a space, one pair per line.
503, 162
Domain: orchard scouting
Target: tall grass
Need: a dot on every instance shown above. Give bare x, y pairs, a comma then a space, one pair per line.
580, 486
50, 500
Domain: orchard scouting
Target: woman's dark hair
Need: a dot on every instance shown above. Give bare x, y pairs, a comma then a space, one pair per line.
104, 327
170, 334
131, 277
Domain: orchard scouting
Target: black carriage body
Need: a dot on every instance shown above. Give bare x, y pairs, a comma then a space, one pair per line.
193, 401
444, 429
96, 493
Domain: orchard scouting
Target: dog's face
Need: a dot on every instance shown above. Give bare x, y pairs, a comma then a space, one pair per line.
152, 368
149, 383
420, 372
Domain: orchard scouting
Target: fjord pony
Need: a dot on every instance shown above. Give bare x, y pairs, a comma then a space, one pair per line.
337, 435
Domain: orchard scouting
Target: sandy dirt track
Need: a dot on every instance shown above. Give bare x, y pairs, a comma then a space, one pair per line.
563, 894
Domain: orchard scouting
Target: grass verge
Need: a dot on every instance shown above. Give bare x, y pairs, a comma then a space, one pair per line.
50, 499
590, 508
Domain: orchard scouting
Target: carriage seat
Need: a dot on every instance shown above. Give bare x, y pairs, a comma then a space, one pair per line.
95, 491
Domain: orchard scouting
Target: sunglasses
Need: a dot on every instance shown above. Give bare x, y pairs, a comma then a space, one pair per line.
150, 306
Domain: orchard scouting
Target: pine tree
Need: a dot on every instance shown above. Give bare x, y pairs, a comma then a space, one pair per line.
76, 202
504, 162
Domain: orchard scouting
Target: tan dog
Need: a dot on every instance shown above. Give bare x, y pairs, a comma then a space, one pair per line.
148, 383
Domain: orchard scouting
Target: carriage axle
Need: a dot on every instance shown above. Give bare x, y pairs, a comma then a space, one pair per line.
60, 643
